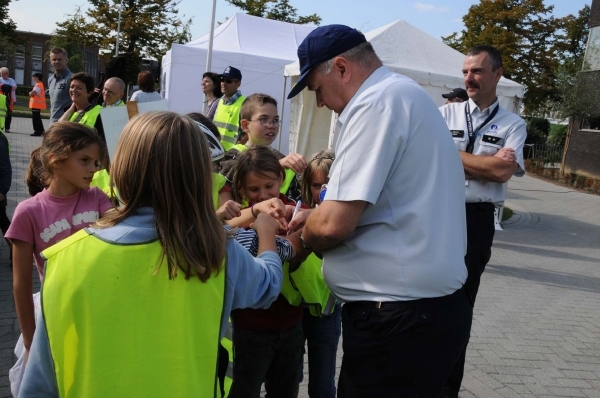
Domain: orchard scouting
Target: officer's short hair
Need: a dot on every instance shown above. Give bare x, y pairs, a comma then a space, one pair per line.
493, 52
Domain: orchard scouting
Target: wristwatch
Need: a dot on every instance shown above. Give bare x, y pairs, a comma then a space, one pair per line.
304, 245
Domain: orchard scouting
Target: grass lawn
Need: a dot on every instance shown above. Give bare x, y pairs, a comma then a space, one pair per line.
507, 213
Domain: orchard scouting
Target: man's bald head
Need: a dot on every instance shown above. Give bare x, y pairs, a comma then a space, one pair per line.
113, 91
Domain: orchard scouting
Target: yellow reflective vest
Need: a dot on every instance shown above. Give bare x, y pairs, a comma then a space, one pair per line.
89, 117
119, 327
227, 120
2, 111
101, 180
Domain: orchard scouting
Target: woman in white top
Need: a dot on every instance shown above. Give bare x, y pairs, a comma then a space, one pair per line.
146, 92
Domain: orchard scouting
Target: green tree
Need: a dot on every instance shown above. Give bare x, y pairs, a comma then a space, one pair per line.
280, 10
524, 31
8, 36
574, 94
72, 35
148, 28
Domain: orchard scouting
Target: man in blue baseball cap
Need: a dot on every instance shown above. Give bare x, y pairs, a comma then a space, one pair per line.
227, 115
391, 227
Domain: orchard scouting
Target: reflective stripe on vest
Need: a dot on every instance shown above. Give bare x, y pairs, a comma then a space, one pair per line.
118, 326
227, 120
89, 117
218, 182
38, 101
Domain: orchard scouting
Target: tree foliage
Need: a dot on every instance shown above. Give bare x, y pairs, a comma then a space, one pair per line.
72, 35
148, 28
8, 35
280, 10
524, 32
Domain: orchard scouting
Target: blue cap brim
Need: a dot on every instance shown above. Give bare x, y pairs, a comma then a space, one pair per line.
300, 85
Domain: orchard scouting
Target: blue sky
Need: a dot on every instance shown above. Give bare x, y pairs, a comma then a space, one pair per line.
436, 17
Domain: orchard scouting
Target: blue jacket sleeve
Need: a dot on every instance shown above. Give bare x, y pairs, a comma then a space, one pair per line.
39, 380
251, 282
5, 167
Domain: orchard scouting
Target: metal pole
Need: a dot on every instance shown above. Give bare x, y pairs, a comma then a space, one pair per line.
118, 29
210, 38
210, 47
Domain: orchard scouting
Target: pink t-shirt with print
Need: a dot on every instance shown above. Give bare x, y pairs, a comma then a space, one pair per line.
45, 219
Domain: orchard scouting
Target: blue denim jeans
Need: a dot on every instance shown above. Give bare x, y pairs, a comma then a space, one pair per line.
322, 335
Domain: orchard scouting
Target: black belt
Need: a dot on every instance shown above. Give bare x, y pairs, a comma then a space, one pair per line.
424, 302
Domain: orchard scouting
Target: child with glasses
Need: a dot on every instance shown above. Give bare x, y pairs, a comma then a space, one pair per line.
260, 121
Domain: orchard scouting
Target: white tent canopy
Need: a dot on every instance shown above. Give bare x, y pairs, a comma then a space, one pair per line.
403, 49
259, 47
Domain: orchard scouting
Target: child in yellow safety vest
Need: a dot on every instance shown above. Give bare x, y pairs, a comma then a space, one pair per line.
135, 305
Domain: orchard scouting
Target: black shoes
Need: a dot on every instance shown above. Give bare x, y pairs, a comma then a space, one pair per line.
36, 134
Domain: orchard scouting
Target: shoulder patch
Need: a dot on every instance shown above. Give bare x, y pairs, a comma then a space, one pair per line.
458, 133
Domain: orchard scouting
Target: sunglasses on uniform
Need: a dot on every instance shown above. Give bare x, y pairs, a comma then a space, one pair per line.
229, 81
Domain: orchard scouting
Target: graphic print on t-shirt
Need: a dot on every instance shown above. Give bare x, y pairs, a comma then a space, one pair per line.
63, 225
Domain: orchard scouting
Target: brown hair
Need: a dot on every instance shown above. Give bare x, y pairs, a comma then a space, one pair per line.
200, 118
59, 50
253, 102
321, 162
85, 79
152, 167
258, 159
145, 81
60, 140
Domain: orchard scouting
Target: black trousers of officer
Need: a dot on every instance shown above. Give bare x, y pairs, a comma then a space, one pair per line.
36, 118
480, 235
402, 349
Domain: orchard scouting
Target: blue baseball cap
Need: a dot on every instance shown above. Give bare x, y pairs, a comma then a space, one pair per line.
232, 73
321, 45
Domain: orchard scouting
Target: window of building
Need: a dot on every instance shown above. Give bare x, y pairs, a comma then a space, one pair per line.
36, 59
591, 60
19, 65
590, 123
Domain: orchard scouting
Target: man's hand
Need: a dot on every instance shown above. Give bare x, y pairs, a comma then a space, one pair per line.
507, 154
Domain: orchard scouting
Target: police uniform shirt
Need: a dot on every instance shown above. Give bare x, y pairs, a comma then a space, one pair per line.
410, 240
505, 130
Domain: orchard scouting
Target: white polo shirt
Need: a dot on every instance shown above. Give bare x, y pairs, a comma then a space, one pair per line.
394, 151
506, 129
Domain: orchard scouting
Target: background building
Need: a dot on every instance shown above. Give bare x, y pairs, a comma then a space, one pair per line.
582, 148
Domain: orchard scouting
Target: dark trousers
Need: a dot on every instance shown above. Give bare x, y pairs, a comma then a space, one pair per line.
402, 349
270, 357
480, 235
322, 334
8, 119
36, 117
4, 225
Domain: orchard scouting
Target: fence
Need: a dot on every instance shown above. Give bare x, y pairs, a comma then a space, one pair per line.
550, 155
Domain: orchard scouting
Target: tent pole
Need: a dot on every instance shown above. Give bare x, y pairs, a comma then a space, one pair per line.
210, 44
282, 114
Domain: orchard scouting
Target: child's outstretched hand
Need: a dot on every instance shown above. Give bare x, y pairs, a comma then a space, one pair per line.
275, 208
229, 210
266, 227
294, 161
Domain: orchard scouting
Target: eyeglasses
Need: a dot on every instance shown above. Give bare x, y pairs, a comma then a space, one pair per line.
228, 81
266, 122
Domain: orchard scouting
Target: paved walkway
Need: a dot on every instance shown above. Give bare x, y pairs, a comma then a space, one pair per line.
536, 331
